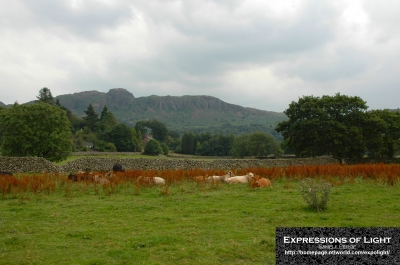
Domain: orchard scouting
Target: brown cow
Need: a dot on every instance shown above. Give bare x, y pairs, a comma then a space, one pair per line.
263, 182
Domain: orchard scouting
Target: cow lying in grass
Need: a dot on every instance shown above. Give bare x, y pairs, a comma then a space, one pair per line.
101, 180
151, 180
240, 179
222, 178
261, 182
80, 176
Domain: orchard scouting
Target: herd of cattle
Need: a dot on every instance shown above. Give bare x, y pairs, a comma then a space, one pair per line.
104, 179
253, 180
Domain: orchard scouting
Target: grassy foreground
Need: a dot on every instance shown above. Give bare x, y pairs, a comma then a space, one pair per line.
185, 223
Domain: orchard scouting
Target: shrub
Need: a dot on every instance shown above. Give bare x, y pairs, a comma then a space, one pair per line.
315, 193
153, 147
165, 148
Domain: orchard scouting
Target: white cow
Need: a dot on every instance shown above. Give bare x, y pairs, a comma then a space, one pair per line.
159, 181
151, 180
240, 179
220, 178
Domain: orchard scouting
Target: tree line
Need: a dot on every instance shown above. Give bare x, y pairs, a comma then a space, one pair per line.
336, 125
340, 126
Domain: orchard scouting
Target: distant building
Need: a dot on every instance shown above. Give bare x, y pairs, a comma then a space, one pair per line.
146, 138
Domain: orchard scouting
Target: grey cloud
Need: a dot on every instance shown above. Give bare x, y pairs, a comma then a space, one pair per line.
346, 63
85, 22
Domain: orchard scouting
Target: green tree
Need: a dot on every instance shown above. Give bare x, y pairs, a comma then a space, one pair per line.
107, 120
45, 96
76, 122
262, 145
139, 147
173, 140
91, 118
39, 130
122, 138
164, 148
325, 126
153, 147
240, 146
78, 141
188, 143
158, 130
140, 126
386, 138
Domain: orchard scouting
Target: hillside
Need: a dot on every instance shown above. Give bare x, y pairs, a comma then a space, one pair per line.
177, 113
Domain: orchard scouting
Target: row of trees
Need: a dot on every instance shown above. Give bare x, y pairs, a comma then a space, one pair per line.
339, 126
258, 144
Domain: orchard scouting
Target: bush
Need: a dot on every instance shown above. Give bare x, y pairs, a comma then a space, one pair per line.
110, 147
165, 148
153, 147
315, 193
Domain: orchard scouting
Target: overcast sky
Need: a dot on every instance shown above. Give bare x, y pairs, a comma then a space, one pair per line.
257, 53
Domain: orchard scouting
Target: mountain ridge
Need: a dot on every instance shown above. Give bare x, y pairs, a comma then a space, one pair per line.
179, 113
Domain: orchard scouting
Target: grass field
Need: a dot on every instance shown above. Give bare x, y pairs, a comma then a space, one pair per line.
182, 223
130, 156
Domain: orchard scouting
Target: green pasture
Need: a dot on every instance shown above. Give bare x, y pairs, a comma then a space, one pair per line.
130, 156
185, 223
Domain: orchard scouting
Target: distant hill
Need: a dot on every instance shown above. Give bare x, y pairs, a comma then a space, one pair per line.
185, 113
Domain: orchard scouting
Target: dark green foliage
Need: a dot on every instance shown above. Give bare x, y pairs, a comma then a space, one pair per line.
173, 140
188, 143
76, 122
91, 118
240, 146
122, 137
158, 130
45, 96
140, 126
262, 145
165, 148
107, 120
326, 126
383, 140
102, 146
153, 147
2, 114
39, 130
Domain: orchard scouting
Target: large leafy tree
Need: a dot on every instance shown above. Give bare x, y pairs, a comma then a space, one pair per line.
328, 125
158, 129
153, 147
262, 145
188, 143
386, 138
39, 130
122, 137
240, 146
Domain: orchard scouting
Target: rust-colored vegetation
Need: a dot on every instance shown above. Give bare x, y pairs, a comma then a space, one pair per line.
336, 174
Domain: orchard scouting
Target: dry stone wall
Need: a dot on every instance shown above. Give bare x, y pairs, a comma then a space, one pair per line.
27, 164
34, 164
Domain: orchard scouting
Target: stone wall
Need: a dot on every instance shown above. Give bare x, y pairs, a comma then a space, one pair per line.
34, 164
38, 164
27, 164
